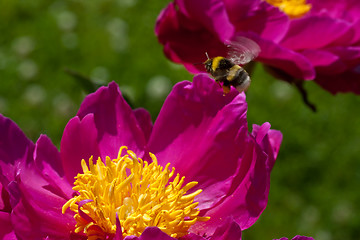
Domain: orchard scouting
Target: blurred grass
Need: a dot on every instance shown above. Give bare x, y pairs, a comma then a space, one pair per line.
317, 174
314, 188
105, 40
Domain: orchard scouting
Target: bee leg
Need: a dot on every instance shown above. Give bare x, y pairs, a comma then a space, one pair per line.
218, 82
226, 89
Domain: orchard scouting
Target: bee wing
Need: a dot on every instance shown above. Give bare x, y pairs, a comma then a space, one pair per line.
242, 50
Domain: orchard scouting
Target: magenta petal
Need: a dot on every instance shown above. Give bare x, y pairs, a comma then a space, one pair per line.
15, 149
14, 193
347, 10
115, 121
154, 233
211, 14
192, 236
6, 229
47, 157
287, 60
118, 233
47, 160
249, 199
82, 213
195, 128
38, 193
10, 236
144, 120
250, 188
298, 237
275, 139
229, 230
345, 82
356, 28
183, 39
38, 213
323, 61
334, 62
264, 19
269, 140
4, 200
2, 197
325, 30
151, 233
241, 9
79, 141
350, 56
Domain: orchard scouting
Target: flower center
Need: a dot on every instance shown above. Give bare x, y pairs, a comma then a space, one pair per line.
136, 194
292, 8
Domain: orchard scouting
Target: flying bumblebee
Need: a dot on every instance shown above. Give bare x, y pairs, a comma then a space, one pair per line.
228, 70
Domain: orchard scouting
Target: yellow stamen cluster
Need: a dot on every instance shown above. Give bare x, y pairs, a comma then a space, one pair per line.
292, 8
135, 192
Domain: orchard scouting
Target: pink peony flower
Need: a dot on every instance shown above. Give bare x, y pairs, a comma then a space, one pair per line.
329, 37
314, 40
199, 135
188, 29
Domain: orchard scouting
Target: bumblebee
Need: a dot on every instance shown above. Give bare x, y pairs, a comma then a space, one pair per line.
228, 70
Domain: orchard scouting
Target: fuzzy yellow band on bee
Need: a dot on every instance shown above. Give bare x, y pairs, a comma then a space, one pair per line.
232, 72
215, 63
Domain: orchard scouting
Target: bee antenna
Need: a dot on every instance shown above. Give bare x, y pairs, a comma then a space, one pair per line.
203, 62
207, 55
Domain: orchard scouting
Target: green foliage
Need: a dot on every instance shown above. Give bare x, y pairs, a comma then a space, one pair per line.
101, 40
313, 189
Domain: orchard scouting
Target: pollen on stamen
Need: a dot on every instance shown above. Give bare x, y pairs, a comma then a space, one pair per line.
136, 193
292, 8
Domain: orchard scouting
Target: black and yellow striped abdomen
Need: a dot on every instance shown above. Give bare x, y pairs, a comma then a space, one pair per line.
228, 73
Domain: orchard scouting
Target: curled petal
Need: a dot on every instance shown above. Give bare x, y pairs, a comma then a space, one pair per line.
79, 141
82, 213
47, 160
203, 123
269, 140
37, 213
15, 150
114, 121
47, 157
248, 194
118, 234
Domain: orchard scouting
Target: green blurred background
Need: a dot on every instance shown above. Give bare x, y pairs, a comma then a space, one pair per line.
315, 183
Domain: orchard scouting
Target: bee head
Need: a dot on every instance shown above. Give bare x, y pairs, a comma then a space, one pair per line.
208, 64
